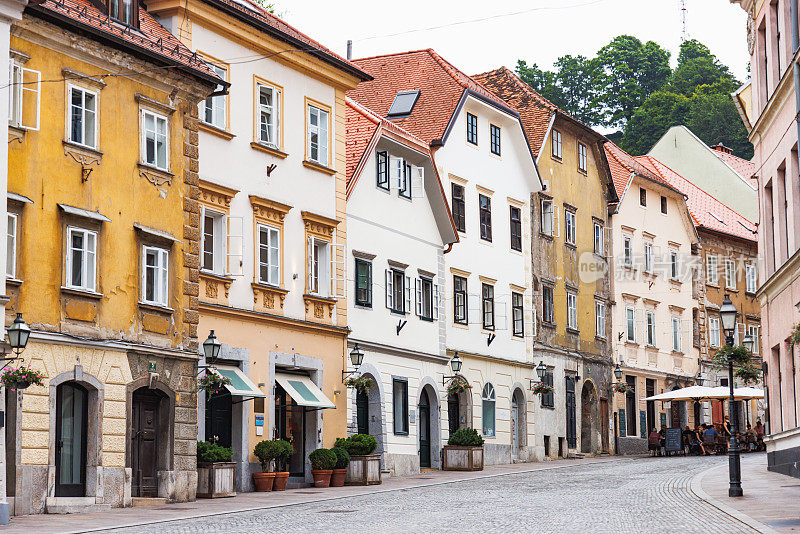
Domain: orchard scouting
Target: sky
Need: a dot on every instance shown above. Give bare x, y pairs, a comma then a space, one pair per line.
538, 31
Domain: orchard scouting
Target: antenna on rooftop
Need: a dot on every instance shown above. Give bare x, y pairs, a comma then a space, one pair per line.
684, 35
349, 49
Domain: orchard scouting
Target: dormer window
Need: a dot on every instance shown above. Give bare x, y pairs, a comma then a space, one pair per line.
124, 11
403, 103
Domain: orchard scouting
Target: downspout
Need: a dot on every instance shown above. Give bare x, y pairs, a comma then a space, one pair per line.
793, 13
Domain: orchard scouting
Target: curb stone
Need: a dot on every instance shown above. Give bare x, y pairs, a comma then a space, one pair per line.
697, 489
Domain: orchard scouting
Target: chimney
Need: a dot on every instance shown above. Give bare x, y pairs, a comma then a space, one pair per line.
721, 148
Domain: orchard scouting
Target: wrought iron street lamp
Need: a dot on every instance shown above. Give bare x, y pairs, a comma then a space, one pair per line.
541, 369
618, 372
211, 348
728, 313
701, 378
18, 334
455, 365
356, 358
749, 343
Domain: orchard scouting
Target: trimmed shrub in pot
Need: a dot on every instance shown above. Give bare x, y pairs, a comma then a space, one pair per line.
283, 451
215, 471
364, 467
464, 451
265, 452
340, 469
322, 463
358, 444
465, 437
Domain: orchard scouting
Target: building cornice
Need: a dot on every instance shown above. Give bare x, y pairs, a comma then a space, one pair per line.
780, 279
278, 320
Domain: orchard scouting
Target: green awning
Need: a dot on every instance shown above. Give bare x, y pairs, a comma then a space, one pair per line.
303, 391
240, 384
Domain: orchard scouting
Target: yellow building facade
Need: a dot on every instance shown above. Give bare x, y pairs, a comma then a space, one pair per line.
273, 229
102, 263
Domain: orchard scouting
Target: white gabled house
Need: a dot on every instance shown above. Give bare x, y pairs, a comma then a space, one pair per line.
399, 227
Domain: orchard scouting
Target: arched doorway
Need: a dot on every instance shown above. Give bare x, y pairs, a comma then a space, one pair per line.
150, 439
72, 414
518, 423
362, 411
459, 408
588, 417
453, 413
424, 410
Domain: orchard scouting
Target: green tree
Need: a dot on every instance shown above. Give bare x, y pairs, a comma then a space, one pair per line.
627, 72
652, 119
698, 66
542, 81
714, 119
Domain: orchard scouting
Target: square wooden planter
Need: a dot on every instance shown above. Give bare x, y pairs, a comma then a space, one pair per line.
216, 480
458, 458
364, 470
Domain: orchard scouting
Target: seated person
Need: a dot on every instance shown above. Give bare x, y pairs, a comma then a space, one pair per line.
691, 441
654, 442
749, 438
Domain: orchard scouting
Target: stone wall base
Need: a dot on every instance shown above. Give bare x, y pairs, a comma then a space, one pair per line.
31, 491
632, 446
785, 461
177, 486
496, 453
401, 464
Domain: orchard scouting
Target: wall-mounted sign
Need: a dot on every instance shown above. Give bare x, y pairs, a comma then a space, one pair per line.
259, 420
151, 367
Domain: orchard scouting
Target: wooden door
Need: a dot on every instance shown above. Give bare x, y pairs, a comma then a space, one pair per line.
424, 431
144, 444
604, 424
71, 415
514, 429
572, 432
362, 412
453, 412
219, 418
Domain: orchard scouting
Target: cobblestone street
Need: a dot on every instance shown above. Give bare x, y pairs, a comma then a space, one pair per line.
627, 495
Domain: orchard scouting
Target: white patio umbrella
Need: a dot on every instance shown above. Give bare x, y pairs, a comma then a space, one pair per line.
745, 393
683, 394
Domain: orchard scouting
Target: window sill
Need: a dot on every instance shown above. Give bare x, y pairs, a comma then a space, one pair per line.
750, 293
631, 343
85, 155
556, 158
583, 172
549, 237
154, 175
715, 286
517, 337
548, 324
215, 130
548, 407
732, 289
158, 308
675, 281
461, 325
487, 242
599, 338
319, 168
318, 298
677, 352
572, 331
215, 276
648, 274
269, 150
16, 133
400, 433
572, 246
81, 292
651, 347
362, 306
426, 319
16, 282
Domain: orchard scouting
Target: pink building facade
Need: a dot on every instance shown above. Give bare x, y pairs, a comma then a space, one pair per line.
769, 105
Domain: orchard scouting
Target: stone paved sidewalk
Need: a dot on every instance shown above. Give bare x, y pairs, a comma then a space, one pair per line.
770, 499
144, 515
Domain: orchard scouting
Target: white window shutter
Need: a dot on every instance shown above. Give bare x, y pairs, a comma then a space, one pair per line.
474, 309
389, 287
435, 302
607, 241
500, 315
396, 167
30, 96
418, 296
235, 245
556, 223
417, 182
338, 275
408, 294
310, 264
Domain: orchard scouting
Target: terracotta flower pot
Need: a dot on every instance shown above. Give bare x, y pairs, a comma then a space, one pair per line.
322, 477
263, 481
280, 481
337, 478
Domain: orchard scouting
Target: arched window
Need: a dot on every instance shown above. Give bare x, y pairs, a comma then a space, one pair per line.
488, 399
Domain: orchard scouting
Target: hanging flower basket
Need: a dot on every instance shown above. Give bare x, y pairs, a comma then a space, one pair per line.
213, 383
360, 383
22, 378
794, 336
739, 354
749, 373
458, 385
621, 387
541, 389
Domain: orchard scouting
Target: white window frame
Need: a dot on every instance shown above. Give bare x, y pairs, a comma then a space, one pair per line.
548, 216
556, 145
160, 276
630, 324
713, 331
157, 118
88, 259
650, 328
321, 130
582, 157
219, 245
627, 251
318, 267
273, 127
21, 86
570, 227
273, 244
572, 310
712, 269
488, 397
11, 246
752, 331
218, 104
648, 257
751, 276
674, 267
84, 115
677, 341
599, 242
730, 274
600, 319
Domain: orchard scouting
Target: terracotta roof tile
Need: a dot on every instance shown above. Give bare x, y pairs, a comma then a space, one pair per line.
440, 84
742, 167
623, 164
151, 35
706, 211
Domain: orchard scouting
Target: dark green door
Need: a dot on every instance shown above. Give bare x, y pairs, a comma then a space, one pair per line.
71, 415
362, 412
424, 431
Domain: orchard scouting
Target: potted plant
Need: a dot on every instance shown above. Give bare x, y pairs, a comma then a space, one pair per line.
340, 469
213, 383
464, 451
265, 452
458, 385
359, 383
364, 467
541, 388
322, 463
794, 336
621, 387
22, 378
216, 473
283, 451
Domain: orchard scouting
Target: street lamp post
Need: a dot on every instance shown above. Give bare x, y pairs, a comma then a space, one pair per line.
727, 313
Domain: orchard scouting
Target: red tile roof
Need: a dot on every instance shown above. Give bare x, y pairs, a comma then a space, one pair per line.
623, 164
742, 167
256, 15
151, 39
706, 211
441, 86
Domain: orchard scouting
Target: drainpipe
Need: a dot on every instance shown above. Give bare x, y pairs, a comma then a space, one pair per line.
793, 13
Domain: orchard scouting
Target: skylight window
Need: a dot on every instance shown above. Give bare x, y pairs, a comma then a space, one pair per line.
403, 103
717, 217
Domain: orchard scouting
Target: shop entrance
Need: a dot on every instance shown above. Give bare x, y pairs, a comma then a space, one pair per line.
71, 415
290, 419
